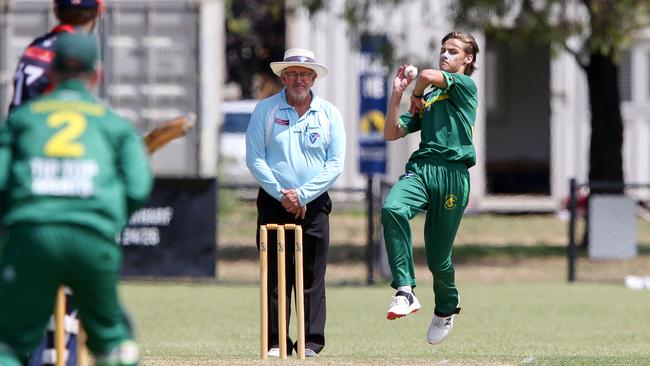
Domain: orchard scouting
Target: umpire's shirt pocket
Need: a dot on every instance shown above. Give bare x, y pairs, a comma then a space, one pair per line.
313, 137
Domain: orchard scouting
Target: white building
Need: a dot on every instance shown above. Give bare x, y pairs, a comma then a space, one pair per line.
533, 123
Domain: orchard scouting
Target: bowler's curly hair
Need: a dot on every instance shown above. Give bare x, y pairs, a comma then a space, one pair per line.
470, 48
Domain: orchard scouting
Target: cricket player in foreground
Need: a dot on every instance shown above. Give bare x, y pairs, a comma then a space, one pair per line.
31, 79
436, 178
71, 173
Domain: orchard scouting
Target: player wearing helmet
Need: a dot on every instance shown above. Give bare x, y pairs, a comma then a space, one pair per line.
31, 78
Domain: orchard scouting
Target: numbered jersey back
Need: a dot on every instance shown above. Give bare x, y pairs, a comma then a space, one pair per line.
72, 160
31, 77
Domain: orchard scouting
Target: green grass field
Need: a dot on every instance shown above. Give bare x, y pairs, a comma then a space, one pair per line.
518, 308
510, 323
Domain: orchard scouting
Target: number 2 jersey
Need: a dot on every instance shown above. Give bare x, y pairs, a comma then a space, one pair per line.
65, 158
32, 73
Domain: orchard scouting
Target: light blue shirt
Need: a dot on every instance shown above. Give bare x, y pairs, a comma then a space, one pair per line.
284, 151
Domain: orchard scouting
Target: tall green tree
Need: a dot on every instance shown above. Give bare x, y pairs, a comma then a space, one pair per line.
255, 36
603, 28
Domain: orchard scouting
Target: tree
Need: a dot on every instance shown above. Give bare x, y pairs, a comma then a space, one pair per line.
603, 27
255, 32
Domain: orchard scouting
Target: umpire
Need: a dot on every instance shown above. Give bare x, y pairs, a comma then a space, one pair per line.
71, 172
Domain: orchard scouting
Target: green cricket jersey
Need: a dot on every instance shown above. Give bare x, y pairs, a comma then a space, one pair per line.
447, 122
66, 158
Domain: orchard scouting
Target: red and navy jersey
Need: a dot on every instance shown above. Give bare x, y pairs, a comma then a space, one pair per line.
32, 74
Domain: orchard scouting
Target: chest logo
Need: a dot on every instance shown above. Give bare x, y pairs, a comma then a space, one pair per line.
450, 201
313, 139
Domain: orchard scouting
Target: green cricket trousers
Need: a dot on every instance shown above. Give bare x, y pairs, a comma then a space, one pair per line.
34, 261
442, 190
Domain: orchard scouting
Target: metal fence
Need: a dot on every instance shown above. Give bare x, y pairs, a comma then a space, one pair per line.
488, 247
608, 231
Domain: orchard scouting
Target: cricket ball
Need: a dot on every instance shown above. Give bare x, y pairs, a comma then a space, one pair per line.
411, 71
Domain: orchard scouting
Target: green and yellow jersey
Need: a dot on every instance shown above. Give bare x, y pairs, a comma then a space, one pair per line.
446, 123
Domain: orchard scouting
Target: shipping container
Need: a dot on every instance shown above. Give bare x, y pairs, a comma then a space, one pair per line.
161, 59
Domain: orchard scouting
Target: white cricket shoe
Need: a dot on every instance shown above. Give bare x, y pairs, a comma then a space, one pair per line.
310, 353
126, 353
404, 303
440, 327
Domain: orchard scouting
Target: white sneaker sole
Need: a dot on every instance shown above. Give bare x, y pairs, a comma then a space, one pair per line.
391, 315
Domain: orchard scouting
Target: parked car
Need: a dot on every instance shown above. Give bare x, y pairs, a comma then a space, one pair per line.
232, 141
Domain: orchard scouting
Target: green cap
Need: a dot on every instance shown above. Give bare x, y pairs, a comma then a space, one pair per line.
76, 52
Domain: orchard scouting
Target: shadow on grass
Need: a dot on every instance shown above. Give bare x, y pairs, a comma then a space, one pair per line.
465, 253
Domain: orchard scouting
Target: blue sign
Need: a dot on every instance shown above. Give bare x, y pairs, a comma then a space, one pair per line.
373, 90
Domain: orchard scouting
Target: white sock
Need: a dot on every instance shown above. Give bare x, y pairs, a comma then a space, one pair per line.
407, 289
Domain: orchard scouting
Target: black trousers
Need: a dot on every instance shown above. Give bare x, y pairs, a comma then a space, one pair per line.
315, 232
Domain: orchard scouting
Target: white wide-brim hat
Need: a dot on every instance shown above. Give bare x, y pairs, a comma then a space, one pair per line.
299, 57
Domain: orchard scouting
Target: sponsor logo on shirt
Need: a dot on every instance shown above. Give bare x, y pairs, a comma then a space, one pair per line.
281, 122
39, 54
63, 177
312, 139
